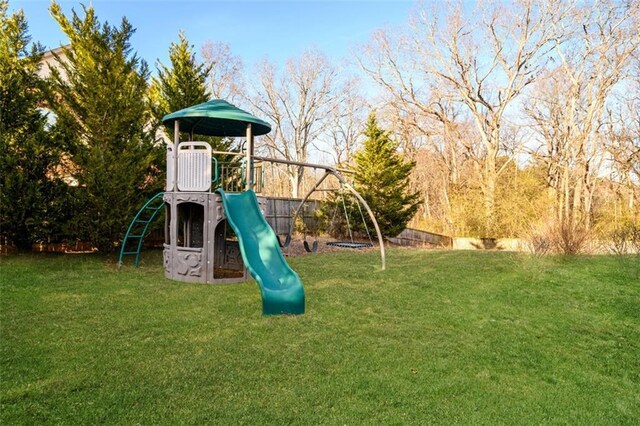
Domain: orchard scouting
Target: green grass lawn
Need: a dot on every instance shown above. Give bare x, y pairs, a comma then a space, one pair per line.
440, 337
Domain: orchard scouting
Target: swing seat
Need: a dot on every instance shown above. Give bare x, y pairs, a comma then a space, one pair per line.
287, 241
279, 241
313, 248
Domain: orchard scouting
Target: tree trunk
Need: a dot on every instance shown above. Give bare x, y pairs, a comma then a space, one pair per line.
295, 184
577, 200
427, 205
564, 201
490, 178
295, 177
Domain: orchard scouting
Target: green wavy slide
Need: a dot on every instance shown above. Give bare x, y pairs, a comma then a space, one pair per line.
281, 288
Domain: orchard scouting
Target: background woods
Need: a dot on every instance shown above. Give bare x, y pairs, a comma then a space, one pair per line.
520, 118
514, 112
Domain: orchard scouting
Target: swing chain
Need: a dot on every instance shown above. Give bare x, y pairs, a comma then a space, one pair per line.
346, 215
364, 222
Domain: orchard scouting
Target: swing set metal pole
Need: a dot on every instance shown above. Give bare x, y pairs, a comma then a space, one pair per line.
371, 216
299, 163
343, 181
249, 156
307, 195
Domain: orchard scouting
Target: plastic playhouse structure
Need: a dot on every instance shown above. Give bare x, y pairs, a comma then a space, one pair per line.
213, 236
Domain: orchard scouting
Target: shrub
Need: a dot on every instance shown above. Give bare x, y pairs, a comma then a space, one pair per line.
625, 239
539, 239
571, 237
558, 236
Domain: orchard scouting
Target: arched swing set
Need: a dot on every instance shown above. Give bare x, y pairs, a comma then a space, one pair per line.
340, 206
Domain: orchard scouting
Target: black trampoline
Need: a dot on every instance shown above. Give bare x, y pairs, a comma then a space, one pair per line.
349, 244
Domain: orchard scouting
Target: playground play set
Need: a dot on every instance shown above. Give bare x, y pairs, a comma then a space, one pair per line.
216, 236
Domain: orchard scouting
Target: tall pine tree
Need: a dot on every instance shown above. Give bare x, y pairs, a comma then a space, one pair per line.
181, 85
101, 108
382, 178
31, 192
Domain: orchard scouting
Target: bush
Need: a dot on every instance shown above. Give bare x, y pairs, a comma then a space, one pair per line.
571, 237
98, 96
539, 239
625, 239
558, 236
35, 202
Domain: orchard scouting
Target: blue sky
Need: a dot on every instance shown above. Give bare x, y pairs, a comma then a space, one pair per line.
253, 29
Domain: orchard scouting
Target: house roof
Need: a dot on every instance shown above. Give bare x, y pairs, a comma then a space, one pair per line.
57, 51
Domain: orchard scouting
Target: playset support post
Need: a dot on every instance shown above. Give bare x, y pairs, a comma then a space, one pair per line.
176, 142
249, 162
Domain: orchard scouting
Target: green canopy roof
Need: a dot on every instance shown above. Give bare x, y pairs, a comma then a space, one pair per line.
216, 118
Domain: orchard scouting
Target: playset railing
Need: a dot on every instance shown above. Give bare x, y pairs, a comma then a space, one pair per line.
202, 169
194, 166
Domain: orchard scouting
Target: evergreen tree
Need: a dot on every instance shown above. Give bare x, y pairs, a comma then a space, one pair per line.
181, 85
382, 178
32, 194
101, 109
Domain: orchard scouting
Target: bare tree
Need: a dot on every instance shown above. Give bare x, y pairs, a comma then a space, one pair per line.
569, 108
623, 145
481, 62
298, 101
345, 126
225, 75
429, 126
439, 143
485, 64
406, 99
623, 140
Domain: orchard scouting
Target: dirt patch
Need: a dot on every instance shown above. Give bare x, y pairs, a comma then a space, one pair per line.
227, 273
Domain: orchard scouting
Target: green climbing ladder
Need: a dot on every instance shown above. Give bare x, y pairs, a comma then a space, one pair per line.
138, 228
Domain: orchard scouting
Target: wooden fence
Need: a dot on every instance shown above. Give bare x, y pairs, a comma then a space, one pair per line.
416, 237
279, 212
